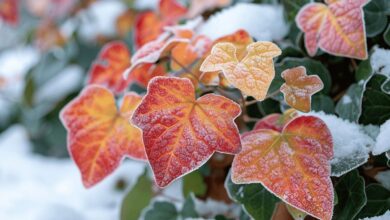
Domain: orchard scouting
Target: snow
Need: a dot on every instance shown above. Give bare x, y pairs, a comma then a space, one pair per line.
346, 99
384, 178
100, 19
383, 140
351, 144
385, 216
380, 61
38, 188
263, 22
57, 88
211, 208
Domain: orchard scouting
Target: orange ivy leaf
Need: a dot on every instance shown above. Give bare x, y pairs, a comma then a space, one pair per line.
99, 135
9, 11
181, 133
153, 51
143, 73
293, 164
199, 6
241, 39
337, 28
253, 74
125, 22
299, 87
186, 54
149, 25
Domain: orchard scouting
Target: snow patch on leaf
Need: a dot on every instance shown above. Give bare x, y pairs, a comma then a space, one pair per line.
380, 63
351, 144
383, 140
270, 24
385, 216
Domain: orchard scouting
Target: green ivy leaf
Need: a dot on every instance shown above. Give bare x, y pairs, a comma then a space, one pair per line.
255, 199
376, 103
188, 210
161, 210
194, 183
137, 199
386, 35
292, 7
350, 105
364, 71
375, 17
351, 196
378, 201
323, 103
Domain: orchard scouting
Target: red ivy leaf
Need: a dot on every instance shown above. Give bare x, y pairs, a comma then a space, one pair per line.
181, 133
299, 87
108, 68
276, 121
99, 135
293, 164
149, 25
9, 11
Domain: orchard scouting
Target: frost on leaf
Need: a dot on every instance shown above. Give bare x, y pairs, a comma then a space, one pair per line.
111, 63
241, 39
100, 135
153, 51
293, 164
336, 27
149, 25
299, 87
9, 11
252, 74
181, 133
352, 144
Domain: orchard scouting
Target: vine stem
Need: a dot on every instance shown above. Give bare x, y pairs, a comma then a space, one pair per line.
185, 68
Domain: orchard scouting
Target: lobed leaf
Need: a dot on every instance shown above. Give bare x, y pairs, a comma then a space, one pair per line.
99, 135
181, 133
299, 87
293, 164
337, 28
253, 74
109, 66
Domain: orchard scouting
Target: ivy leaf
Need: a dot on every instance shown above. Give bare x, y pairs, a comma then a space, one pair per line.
386, 36
193, 183
108, 68
99, 135
313, 67
149, 25
299, 87
293, 164
166, 210
253, 74
350, 105
9, 11
241, 39
276, 121
323, 103
376, 103
181, 133
378, 201
254, 198
161, 210
151, 52
336, 27
351, 196
137, 198
375, 17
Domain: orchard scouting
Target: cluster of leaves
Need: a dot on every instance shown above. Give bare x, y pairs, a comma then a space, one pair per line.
237, 100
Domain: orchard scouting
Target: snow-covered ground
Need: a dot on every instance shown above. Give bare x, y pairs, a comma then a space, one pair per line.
33, 187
